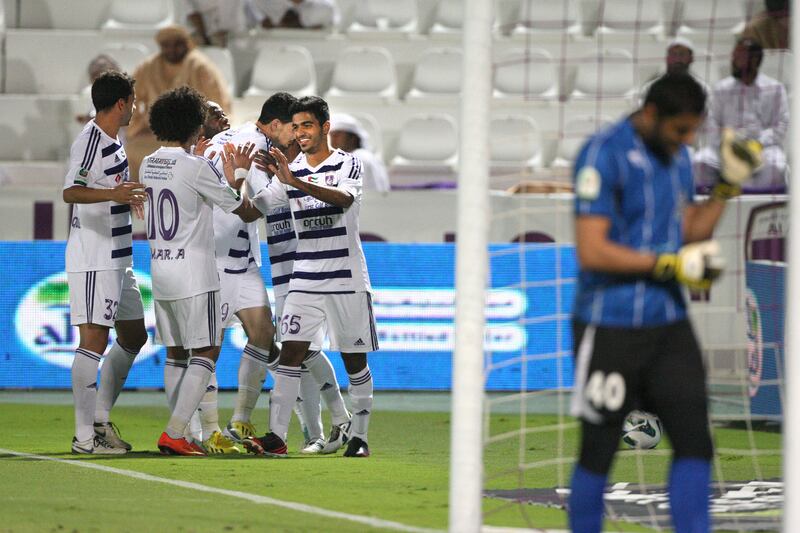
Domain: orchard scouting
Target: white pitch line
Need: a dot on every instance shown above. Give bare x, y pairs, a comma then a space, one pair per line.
254, 498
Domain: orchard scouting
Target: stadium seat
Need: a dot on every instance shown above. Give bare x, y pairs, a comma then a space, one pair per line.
778, 64
576, 129
448, 16
552, 16
283, 68
383, 15
63, 14
127, 55
527, 73
426, 150
34, 128
630, 16
514, 143
437, 73
139, 15
607, 74
364, 71
373, 130
222, 58
704, 17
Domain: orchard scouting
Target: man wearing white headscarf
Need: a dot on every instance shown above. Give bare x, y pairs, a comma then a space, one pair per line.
347, 134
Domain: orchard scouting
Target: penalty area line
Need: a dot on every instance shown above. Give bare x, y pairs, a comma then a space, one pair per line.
253, 498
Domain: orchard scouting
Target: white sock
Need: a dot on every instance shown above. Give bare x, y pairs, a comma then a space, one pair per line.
310, 406
84, 391
361, 401
284, 395
112, 378
195, 428
321, 369
208, 409
252, 372
193, 387
174, 370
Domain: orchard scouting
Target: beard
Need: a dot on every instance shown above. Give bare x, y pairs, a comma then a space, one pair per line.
658, 147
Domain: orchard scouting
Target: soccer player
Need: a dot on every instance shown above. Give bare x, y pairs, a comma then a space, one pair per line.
330, 284
102, 288
640, 235
182, 190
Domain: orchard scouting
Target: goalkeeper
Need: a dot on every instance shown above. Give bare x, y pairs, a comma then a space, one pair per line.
640, 238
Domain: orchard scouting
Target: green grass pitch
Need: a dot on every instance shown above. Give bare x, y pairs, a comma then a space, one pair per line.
405, 480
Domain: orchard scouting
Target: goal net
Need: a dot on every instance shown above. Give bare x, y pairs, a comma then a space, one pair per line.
561, 70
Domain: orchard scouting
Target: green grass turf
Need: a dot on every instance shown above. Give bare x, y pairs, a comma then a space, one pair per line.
406, 479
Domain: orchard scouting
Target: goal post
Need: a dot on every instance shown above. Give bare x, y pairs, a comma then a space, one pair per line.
472, 266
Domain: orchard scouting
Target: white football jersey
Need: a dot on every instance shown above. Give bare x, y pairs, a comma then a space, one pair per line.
237, 242
100, 233
329, 257
182, 190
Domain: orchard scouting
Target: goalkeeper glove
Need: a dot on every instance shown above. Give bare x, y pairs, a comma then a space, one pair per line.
695, 265
738, 158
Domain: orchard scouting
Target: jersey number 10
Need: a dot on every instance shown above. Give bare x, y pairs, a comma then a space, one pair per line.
166, 201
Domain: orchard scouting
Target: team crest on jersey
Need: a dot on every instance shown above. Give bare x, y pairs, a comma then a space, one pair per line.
587, 183
330, 179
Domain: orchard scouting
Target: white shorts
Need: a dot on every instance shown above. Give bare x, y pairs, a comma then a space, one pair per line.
240, 291
190, 322
104, 296
319, 337
349, 319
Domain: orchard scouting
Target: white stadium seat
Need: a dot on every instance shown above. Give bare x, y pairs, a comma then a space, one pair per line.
707, 16
364, 71
35, 127
640, 16
63, 14
527, 73
515, 142
223, 60
576, 129
394, 15
448, 16
778, 64
283, 68
139, 15
426, 150
437, 73
607, 74
127, 55
551, 16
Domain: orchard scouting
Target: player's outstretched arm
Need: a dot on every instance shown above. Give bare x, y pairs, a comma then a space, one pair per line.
280, 167
124, 193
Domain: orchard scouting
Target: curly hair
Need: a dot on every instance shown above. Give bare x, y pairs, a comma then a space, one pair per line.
178, 114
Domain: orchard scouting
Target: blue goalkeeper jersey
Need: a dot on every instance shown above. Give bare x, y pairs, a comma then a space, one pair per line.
617, 176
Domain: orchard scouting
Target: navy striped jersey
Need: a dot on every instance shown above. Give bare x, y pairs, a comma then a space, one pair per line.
237, 242
100, 233
618, 177
182, 190
329, 257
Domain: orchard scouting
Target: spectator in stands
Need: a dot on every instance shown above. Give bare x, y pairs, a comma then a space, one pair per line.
680, 56
757, 107
97, 66
347, 134
211, 21
770, 28
177, 63
310, 14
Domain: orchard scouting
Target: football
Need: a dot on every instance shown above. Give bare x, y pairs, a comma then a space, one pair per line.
641, 430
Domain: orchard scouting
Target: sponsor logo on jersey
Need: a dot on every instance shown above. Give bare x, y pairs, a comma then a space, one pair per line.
318, 222
42, 320
83, 172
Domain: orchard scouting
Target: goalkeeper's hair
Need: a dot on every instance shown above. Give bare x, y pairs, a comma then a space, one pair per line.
111, 87
675, 94
278, 106
314, 105
178, 114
